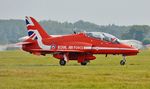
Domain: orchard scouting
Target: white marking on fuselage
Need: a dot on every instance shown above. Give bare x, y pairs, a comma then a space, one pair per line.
109, 48
39, 40
87, 47
56, 35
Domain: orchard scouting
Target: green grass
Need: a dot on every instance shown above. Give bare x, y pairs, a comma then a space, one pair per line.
21, 70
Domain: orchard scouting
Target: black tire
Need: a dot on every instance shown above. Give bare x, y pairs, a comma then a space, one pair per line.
122, 62
84, 63
62, 62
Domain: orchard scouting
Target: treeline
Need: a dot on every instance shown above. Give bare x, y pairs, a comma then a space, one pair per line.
12, 30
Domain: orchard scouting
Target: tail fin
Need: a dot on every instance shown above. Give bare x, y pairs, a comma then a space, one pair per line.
35, 31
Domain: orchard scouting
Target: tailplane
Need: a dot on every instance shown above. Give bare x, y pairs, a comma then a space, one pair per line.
35, 31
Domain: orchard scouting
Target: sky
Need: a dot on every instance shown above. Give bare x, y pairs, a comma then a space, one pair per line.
101, 12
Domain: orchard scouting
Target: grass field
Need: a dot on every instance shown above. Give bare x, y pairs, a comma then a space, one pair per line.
21, 70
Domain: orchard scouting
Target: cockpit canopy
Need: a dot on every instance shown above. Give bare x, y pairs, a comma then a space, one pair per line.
103, 36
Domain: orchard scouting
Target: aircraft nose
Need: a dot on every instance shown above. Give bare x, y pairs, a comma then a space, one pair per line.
131, 49
135, 50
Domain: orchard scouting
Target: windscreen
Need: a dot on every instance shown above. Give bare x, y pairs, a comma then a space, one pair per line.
103, 36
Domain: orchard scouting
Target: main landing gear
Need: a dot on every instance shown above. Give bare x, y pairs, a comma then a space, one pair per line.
62, 62
123, 61
84, 62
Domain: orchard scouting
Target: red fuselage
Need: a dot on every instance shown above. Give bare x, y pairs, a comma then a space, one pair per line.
80, 47
79, 43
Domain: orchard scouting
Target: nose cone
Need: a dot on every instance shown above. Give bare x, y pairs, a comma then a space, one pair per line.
135, 50
130, 50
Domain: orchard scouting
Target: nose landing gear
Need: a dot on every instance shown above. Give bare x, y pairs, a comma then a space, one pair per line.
123, 61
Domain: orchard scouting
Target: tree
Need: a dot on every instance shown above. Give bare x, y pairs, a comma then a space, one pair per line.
146, 41
137, 32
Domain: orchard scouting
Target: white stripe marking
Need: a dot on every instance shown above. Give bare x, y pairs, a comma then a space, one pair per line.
39, 40
109, 48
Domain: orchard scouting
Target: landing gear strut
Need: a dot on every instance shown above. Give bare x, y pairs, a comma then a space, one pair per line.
123, 61
62, 62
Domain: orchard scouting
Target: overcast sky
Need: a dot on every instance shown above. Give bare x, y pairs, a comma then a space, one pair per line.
102, 12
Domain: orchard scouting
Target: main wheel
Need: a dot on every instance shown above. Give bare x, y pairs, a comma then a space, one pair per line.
84, 63
62, 62
122, 62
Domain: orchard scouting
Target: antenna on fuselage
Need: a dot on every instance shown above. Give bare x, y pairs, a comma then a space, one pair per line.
74, 30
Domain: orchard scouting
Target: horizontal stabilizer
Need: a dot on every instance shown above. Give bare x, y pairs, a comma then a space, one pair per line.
23, 43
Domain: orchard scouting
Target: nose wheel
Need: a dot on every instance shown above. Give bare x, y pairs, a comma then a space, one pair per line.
123, 61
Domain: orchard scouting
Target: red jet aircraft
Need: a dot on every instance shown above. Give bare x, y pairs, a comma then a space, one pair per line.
80, 46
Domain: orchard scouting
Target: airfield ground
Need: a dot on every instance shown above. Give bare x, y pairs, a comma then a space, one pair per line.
21, 70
